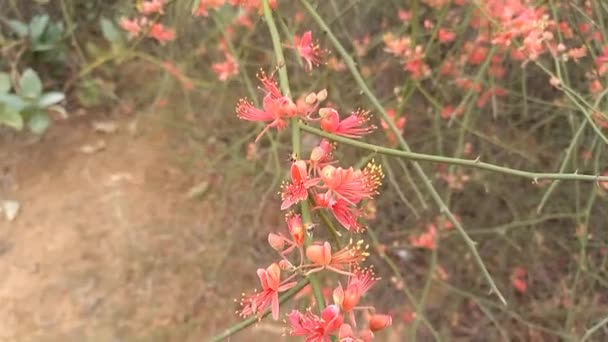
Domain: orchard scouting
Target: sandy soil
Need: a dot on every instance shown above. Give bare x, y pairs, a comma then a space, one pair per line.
108, 246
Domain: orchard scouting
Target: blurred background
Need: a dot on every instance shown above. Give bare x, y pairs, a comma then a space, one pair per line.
136, 206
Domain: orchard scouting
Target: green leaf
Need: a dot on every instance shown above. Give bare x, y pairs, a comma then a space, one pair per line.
18, 27
37, 26
39, 122
109, 31
50, 98
31, 86
5, 83
10, 118
12, 102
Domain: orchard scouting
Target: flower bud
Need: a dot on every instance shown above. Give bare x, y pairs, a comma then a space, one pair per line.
319, 254
378, 322
276, 242
322, 95
311, 98
296, 228
330, 119
346, 333
366, 335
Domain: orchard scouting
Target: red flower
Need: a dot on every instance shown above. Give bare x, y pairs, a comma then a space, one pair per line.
315, 328
274, 110
270, 279
518, 279
151, 7
161, 33
226, 69
400, 123
348, 257
446, 36
354, 126
133, 27
359, 283
426, 240
297, 190
308, 50
347, 216
353, 185
205, 5
320, 156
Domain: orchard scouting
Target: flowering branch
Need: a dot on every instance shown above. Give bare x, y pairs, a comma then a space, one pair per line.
295, 129
473, 163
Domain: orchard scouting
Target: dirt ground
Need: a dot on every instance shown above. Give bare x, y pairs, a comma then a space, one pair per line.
108, 246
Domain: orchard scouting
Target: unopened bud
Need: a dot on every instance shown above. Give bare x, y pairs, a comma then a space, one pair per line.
311, 98
322, 95
366, 335
276, 242
379, 322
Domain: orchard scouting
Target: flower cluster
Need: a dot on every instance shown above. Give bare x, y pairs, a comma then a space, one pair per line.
146, 23
277, 109
500, 33
336, 189
339, 318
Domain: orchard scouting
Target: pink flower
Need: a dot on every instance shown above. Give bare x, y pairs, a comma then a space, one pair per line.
321, 155
348, 257
354, 126
276, 107
226, 69
400, 123
359, 283
296, 228
161, 33
269, 85
353, 185
151, 7
518, 279
426, 240
131, 26
254, 4
446, 36
308, 50
297, 190
346, 215
270, 279
315, 328
205, 5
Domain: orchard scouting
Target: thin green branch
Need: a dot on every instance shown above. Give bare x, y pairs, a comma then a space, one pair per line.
594, 328
443, 208
473, 163
295, 130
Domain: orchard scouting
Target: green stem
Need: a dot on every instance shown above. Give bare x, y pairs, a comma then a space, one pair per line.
473, 163
295, 130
